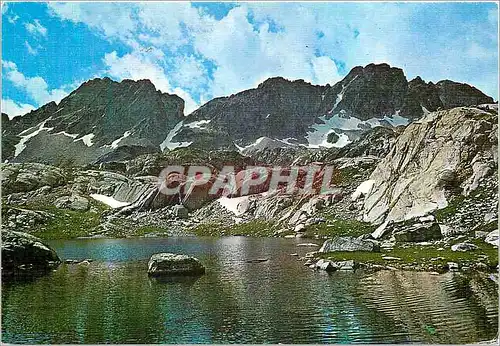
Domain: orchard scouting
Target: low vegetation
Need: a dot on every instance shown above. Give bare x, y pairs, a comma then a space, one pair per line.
421, 257
335, 227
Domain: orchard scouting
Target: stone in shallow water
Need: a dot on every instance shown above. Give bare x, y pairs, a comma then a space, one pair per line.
329, 266
161, 264
23, 253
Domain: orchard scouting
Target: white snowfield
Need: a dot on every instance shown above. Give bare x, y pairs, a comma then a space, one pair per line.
115, 143
110, 201
197, 124
256, 143
235, 205
167, 143
87, 139
341, 94
67, 134
341, 122
19, 147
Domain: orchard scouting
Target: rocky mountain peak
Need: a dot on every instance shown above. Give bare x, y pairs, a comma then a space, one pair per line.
94, 120
453, 94
103, 115
280, 82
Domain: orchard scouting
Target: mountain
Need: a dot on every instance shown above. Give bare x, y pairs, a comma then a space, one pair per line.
296, 112
105, 121
95, 120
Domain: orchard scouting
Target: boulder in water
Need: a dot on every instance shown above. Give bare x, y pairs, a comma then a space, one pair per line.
25, 254
164, 264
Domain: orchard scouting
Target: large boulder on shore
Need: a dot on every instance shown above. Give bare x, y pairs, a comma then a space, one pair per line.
23, 253
170, 264
73, 202
419, 232
349, 244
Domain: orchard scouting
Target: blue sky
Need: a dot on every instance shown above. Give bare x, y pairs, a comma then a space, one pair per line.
205, 50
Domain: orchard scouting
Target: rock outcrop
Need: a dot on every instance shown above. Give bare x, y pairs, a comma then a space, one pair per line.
349, 244
445, 154
24, 254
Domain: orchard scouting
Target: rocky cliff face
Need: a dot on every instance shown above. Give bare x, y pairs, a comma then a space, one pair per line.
284, 113
440, 162
94, 120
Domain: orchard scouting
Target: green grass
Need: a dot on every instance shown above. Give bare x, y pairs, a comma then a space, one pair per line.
65, 223
420, 255
450, 209
255, 228
333, 227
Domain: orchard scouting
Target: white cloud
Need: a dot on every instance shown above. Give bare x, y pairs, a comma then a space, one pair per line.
190, 72
36, 28
13, 19
255, 41
13, 109
168, 23
35, 87
31, 50
10, 18
325, 70
136, 66
245, 55
113, 20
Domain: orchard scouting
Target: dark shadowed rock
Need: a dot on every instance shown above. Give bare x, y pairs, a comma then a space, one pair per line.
419, 232
23, 253
164, 264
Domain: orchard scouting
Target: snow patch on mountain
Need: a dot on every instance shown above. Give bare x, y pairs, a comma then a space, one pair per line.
341, 94
30, 133
254, 144
67, 134
169, 144
340, 122
197, 124
233, 204
110, 201
362, 190
115, 143
397, 120
87, 139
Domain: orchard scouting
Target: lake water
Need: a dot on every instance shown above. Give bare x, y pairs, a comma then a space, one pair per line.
112, 300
